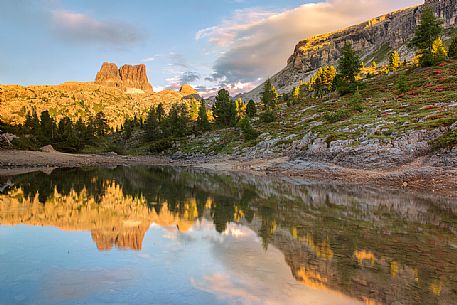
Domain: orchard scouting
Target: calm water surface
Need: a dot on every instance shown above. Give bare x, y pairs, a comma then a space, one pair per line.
162, 236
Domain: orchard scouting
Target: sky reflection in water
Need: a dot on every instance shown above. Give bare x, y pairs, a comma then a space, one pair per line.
166, 236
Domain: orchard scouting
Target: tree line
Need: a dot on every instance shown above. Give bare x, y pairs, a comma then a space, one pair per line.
65, 135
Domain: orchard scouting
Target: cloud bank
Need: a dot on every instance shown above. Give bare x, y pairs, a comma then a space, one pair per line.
78, 27
257, 43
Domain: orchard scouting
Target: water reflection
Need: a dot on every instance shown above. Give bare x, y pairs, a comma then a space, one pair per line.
349, 244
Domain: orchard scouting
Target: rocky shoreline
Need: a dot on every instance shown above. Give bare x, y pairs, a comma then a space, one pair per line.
417, 176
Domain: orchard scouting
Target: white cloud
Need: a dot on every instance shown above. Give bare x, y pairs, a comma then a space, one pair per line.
149, 59
226, 33
78, 27
257, 42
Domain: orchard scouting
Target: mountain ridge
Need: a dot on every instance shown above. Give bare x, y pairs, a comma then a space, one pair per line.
372, 39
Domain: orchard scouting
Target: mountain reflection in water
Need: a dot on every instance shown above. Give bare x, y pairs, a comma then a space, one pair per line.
374, 247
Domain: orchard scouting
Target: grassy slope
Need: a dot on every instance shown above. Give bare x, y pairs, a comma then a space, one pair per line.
383, 113
78, 100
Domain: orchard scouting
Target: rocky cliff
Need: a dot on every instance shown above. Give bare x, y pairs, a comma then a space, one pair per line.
373, 40
128, 78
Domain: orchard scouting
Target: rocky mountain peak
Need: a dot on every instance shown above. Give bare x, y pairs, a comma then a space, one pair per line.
187, 90
128, 78
373, 40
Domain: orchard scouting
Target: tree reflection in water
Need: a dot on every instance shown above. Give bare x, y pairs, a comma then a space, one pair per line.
377, 246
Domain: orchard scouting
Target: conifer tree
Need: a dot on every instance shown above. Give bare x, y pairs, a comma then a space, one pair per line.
426, 34
35, 123
193, 108
128, 128
240, 109
46, 132
202, 119
177, 122
101, 126
295, 94
81, 132
151, 126
438, 50
249, 133
452, 53
394, 61
224, 109
251, 109
349, 65
322, 81
269, 95
28, 124
160, 113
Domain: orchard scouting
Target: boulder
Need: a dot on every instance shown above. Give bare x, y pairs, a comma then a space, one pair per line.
6, 139
4, 143
48, 149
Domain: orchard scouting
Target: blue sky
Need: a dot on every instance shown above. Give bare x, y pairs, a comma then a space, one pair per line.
207, 43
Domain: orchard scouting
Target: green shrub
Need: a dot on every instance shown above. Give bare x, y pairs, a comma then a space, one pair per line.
446, 141
160, 146
25, 143
356, 102
267, 116
337, 116
112, 147
249, 133
344, 87
402, 84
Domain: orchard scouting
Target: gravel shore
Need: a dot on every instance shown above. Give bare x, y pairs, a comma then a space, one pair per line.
415, 176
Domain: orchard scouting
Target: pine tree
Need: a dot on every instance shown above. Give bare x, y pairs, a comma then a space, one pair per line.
438, 50
169, 123
269, 94
90, 128
322, 81
224, 109
295, 94
349, 65
193, 108
394, 61
101, 126
251, 109
177, 122
28, 124
35, 124
202, 119
249, 133
240, 109
160, 112
452, 53
151, 126
427, 32
128, 128
81, 132
46, 132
